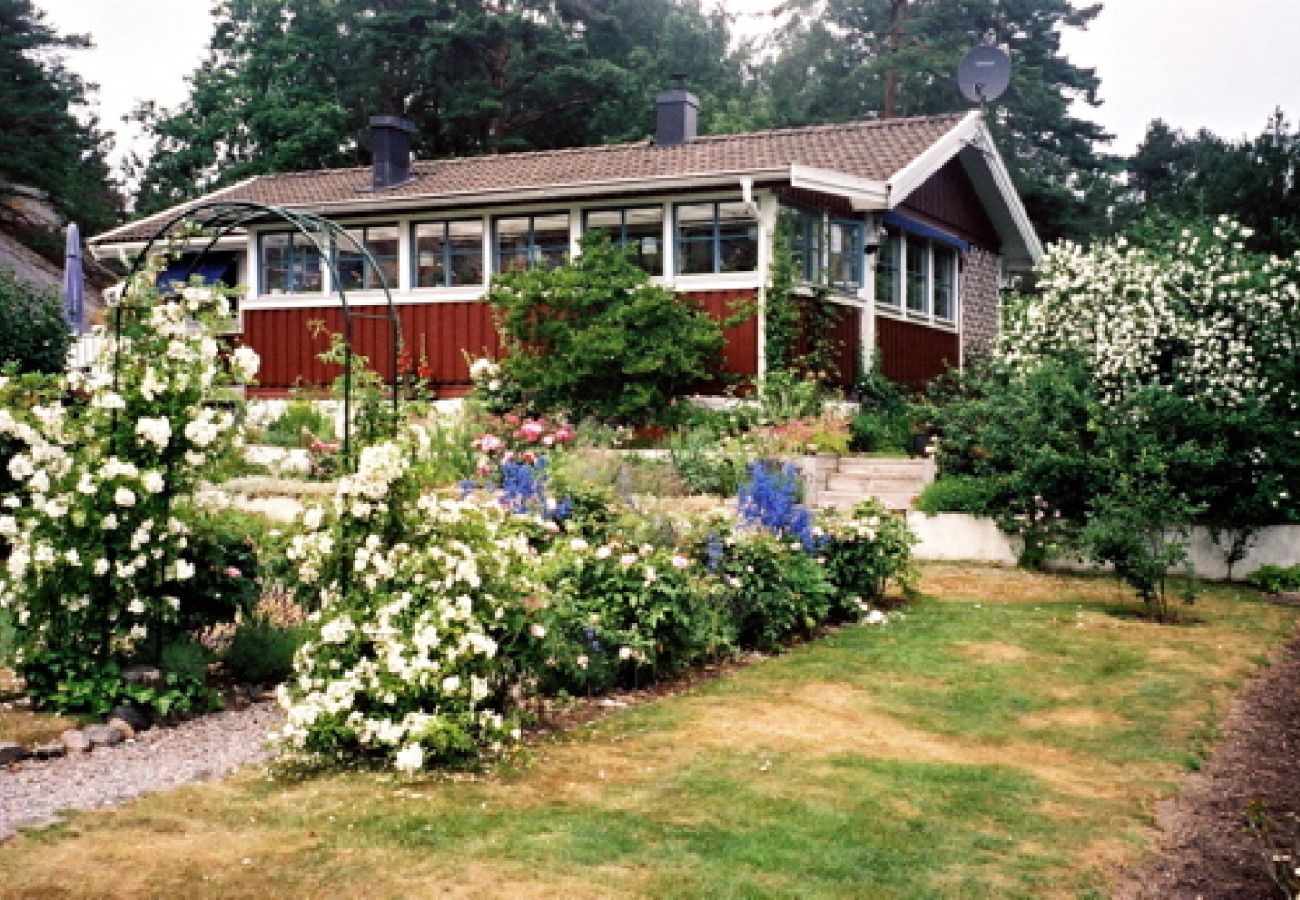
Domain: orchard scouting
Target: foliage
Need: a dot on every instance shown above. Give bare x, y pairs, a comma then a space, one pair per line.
262, 652
849, 59
617, 615
49, 139
785, 395
1274, 579
780, 310
970, 494
704, 467
884, 418
1174, 177
595, 338
226, 582
418, 599
866, 550
102, 521
774, 588
301, 424
289, 85
34, 336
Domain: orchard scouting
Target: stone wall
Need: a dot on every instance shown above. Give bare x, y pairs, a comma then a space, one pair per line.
980, 315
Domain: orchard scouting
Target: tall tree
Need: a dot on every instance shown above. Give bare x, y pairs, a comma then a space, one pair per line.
48, 139
856, 59
1254, 180
290, 84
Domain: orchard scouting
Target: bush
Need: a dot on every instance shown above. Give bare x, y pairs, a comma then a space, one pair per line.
874, 432
867, 550
1275, 579
226, 581
773, 588
960, 494
262, 652
595, 338
34, 336
703, 467
300, 417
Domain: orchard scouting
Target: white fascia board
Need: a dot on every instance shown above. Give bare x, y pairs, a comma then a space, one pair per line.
234, 240
993, 184
863, 193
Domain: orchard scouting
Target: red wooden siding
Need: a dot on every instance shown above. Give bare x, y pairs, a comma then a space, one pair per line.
844, 333
948, 199
912, 353
441, 332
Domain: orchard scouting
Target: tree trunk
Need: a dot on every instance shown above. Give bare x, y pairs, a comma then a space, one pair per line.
897, 16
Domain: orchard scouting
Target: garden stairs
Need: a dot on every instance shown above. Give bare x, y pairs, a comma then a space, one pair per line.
840, 482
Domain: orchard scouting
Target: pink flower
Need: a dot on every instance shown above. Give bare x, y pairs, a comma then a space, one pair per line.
628, 559
488, 443
681, 562
532, 430
232, 572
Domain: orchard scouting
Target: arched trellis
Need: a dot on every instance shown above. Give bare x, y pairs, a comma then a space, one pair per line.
216, 219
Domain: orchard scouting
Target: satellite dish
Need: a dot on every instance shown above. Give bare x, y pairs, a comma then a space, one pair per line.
984, 74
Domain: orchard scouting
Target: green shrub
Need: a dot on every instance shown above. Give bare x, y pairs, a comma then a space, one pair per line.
1275, 579
867, 550
774, 589
874, 432
960, 493
595, 338
702, 467
227, 574
261, 652
33, 333
299, 416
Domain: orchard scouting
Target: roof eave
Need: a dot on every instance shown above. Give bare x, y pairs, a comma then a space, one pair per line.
970, 138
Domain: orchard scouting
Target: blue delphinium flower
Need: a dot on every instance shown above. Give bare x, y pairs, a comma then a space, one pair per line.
770, 500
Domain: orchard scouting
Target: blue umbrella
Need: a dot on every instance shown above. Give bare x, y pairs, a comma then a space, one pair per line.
74, 282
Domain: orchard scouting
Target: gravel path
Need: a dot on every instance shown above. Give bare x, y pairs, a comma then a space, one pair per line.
34, 792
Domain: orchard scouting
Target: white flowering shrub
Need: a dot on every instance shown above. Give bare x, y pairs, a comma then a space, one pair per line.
98, 524
420, 601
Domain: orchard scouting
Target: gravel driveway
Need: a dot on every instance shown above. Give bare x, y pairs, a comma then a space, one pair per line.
206, 748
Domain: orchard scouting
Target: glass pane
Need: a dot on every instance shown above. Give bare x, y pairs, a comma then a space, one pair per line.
610, 220
430, 263
306, 271
945, 266
275, 263
466, 252
382, 244
645, 232
846, 254
551, 240
695, 256
351, 264
918, 262
695, 232
512, 244
737, 237
887, 269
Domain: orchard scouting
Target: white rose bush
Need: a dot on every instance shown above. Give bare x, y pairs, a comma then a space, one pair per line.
100, 518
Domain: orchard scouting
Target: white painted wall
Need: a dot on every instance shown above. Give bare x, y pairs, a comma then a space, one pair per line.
956, 537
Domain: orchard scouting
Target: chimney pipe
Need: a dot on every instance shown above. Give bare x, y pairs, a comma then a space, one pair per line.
390, 138
678, 111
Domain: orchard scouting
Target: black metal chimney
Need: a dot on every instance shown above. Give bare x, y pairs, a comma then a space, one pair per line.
390, 137
678, 112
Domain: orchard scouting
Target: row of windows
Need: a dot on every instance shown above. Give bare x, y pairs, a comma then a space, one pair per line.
827, 252
711, 238
917, 275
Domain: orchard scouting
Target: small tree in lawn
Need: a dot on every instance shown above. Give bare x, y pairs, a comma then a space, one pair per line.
596, 338
100, 522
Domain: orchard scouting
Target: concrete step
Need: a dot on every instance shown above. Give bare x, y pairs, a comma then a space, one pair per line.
857, 465
846, 499
872, 483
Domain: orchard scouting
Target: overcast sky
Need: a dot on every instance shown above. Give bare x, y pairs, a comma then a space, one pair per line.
1224, 65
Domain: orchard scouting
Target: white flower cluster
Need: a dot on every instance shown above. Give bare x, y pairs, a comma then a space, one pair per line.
1203, 320
407, 631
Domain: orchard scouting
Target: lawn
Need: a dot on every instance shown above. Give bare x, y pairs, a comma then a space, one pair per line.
1007, 736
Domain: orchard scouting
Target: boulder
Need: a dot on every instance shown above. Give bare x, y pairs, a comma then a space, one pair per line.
104, 735
11, 752
143, 676
127, 731
52, 750
131, 716
75, 741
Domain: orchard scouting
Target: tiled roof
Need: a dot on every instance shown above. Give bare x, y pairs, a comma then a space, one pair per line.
872, 150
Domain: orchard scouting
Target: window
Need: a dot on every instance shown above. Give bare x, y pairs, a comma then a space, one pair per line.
290, 264
803, 231
532, 242
638, 228
945, 280
449, 254
887, 274
356, 273
846, 255
716, 237
918, 275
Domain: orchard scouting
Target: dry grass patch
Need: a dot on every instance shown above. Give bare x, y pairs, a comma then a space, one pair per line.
993, 652
994, 584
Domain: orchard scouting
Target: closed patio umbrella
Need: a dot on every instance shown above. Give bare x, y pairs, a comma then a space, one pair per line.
74, 282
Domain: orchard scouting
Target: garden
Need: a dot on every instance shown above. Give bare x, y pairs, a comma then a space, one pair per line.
458, 591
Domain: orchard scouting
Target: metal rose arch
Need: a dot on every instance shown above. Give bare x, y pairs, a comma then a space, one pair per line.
213, 220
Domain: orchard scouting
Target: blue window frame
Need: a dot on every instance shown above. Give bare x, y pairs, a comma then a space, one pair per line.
888, 281
640, 228
288, 264
846, 255
448, 254
804, 229
356, 272
531, 242
716, 237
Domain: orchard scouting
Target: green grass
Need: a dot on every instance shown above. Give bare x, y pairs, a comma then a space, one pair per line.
1006, 746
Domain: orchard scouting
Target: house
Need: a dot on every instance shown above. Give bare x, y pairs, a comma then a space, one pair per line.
911, 223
